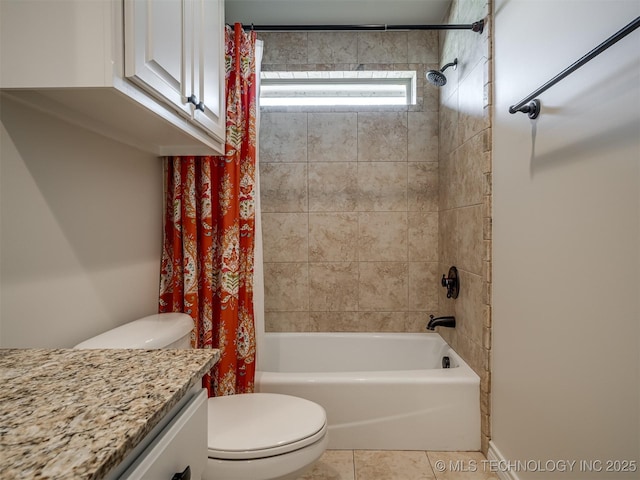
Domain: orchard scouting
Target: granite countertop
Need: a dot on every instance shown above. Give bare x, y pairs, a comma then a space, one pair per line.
76, 414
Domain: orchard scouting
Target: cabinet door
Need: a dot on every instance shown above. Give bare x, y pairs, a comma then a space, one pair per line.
156, 49
209, 66
181, 444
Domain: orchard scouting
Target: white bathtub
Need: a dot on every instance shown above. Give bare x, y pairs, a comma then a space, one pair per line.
381, 391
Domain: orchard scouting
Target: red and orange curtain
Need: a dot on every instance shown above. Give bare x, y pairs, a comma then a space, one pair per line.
208, 245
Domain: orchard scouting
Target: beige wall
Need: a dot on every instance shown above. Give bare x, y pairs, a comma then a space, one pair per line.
566, 279
80, 231
349, 195
465, 191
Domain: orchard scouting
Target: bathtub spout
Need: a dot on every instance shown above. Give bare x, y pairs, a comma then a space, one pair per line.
441, 322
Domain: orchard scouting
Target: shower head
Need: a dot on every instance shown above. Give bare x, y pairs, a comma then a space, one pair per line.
437, 78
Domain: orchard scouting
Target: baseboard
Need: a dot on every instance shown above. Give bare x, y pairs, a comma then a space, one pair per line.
495, 455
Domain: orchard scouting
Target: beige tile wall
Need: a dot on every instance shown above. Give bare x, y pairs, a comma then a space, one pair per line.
365, 208
350, 195
465, 192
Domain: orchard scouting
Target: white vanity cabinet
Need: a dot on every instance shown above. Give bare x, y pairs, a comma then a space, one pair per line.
180, 447
176, 445
125, 69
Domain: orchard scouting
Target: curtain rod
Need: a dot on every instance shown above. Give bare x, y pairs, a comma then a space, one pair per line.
477, 27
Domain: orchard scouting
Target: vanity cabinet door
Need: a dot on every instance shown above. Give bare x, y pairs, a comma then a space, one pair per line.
158, 45
180, 445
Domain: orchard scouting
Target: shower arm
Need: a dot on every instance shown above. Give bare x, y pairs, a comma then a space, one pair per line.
452, 64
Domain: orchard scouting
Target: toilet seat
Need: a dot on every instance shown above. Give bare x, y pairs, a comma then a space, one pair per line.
260, 425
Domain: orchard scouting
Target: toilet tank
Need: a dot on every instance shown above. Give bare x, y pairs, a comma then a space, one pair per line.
162, 330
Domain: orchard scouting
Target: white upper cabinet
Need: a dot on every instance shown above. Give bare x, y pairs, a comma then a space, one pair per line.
174, 50
149, 73
157, 48
209, 66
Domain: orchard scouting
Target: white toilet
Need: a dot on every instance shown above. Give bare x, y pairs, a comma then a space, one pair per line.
255, 436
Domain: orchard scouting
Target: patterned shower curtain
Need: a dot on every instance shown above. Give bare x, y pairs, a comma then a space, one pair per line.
208, 245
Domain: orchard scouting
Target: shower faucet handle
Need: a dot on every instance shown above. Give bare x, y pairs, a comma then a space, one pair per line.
451, 283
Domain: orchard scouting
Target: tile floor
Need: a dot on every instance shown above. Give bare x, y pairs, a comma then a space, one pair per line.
400, 465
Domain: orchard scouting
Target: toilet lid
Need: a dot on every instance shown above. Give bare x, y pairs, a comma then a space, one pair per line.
259, 425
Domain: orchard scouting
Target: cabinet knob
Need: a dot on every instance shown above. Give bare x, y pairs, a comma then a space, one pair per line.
186, 475
193, 99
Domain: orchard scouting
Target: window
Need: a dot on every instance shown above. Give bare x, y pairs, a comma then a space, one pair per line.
337, 88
